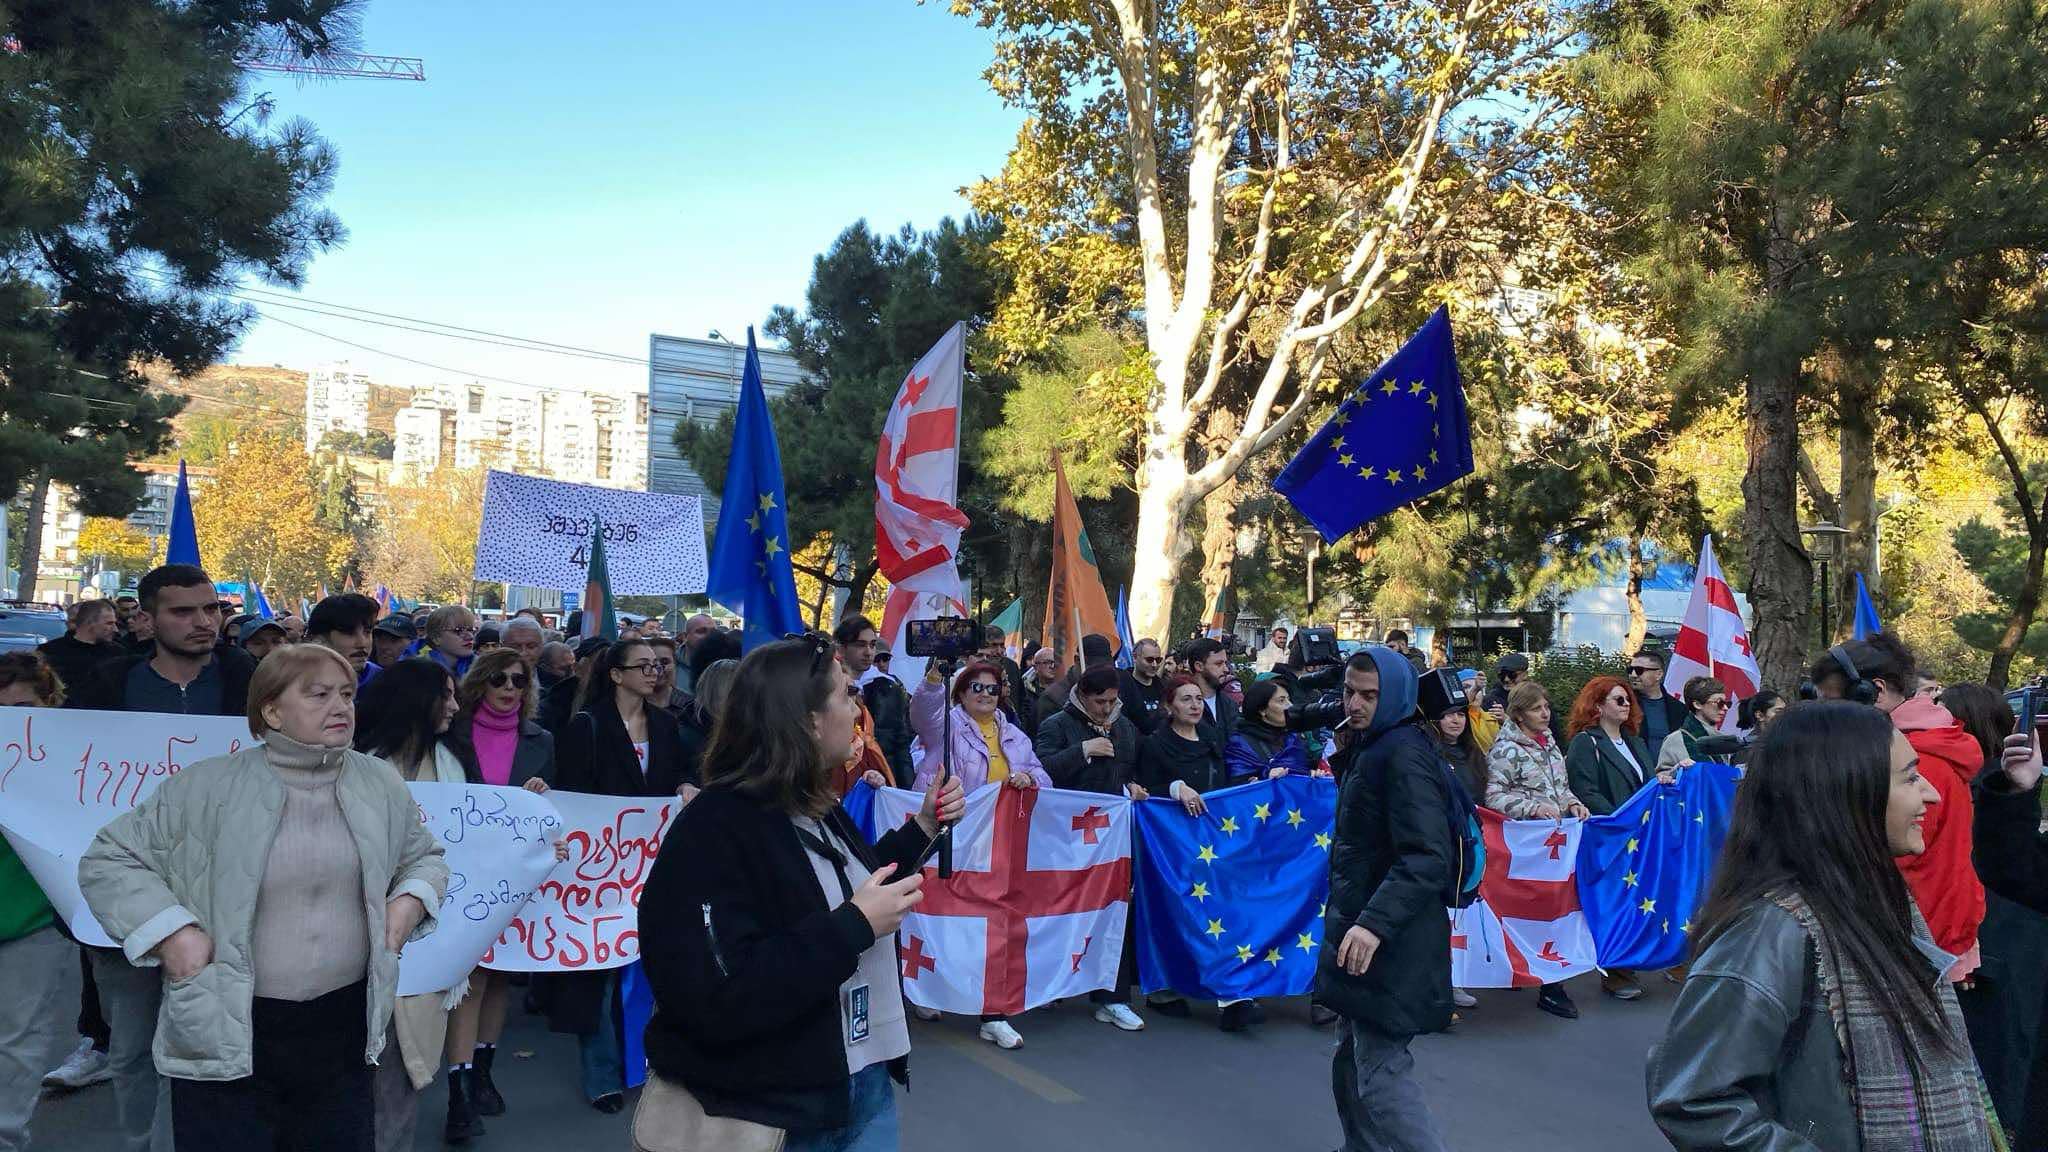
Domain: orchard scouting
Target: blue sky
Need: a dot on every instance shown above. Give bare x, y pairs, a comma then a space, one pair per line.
589, 176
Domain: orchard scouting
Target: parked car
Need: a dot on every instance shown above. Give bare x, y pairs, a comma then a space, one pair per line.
25, 629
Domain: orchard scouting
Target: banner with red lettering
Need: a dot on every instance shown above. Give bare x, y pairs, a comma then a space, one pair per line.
586, 915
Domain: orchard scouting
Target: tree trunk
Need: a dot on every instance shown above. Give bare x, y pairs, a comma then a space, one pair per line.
2024, 605
32, 537
1780, 572
1219, 516
1858, 392
1163, 506
1638, 621
857, 592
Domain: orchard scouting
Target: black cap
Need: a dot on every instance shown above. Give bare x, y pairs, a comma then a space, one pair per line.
401, 626
1512, 662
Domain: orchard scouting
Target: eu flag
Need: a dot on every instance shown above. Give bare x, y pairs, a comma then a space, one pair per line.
1643, 870
750, 570
1401, 436
1230, 903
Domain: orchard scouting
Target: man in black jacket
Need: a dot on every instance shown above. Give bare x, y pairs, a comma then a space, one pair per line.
1386, 958
86, 644
2010, 851
1209, 662
1088, 746
1663, 714
1142, 688
887, 703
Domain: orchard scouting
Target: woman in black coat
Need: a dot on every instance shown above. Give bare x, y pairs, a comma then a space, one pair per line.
767, 926
1186, 749
622, 744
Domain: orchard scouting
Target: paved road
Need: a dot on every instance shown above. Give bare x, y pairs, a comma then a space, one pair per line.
1508, 1079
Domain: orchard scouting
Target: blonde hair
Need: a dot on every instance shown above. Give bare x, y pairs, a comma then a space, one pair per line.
1524, 697
285, 667
488, 665
443, 618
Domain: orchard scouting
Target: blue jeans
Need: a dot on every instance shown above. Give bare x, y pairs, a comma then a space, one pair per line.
604, 1069
870, 1122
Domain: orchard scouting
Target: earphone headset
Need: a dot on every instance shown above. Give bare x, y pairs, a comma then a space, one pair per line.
1857, 688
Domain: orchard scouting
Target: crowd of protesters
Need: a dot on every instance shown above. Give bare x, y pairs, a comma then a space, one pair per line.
1887, 836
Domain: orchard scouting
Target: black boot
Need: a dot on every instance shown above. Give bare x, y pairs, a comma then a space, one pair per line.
482, 1091
464, 1124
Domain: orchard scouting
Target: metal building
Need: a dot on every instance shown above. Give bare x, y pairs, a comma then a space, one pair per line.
698, 380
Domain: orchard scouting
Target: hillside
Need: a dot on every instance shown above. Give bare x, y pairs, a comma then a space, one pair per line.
269, 398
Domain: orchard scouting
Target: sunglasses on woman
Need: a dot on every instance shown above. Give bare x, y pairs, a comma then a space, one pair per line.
983, 688
515, 679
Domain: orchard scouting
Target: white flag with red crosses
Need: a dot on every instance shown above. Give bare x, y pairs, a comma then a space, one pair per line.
1036, 907
1526, 928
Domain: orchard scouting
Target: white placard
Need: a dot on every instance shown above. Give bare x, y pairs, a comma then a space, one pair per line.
537, 532
499, 844
586, 915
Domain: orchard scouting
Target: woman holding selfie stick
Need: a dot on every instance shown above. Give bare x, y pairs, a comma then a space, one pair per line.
768, 930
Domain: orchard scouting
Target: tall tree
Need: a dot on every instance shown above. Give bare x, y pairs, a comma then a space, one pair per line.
1250, 177
262, 516
424, 546
142, 179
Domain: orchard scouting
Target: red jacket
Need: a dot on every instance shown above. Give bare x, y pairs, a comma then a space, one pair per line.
1943, 881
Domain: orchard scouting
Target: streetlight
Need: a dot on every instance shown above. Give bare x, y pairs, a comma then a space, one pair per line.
1826, 547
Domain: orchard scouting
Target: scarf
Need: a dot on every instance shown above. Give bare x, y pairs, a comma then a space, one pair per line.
1943, 1107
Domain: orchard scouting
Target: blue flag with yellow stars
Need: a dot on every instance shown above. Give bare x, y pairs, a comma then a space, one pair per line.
1230, 903
1403, 435
750, 569
1643, 870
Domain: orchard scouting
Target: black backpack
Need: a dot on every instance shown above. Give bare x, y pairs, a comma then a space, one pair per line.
1463, 815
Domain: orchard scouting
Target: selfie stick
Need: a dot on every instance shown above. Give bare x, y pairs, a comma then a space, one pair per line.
946, 773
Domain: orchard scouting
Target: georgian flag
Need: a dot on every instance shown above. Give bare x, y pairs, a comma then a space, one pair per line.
1526, 928
1712, 640
1036, 907
917, 473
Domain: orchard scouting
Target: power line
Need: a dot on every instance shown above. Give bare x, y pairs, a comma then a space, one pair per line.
409, 359
289, 300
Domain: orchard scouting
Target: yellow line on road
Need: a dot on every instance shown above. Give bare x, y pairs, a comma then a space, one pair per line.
990, 1057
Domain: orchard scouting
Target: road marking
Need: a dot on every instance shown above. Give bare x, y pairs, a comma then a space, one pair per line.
990, 1057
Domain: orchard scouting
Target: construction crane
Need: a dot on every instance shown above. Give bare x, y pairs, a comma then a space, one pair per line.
283, 59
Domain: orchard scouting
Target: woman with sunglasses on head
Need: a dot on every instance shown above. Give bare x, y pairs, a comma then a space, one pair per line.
623, 743
988, 748
768, 930
1815, 1015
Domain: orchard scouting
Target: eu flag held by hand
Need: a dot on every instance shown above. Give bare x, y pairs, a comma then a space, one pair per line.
1230, 903
1643, 870
750, 566
1401, 436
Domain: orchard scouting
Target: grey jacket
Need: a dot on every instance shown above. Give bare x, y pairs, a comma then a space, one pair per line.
1749, 1060
194, 852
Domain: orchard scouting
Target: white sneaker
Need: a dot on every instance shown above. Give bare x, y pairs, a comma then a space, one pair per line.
1464, 999
1000, 1034
1121, 1016
924, 1013
85, 1066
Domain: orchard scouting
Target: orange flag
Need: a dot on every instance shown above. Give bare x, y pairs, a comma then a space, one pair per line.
1076, 602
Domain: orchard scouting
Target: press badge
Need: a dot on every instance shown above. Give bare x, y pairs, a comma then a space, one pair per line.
856, 1014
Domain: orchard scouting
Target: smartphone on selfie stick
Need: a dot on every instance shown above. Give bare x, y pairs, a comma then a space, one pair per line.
944, 641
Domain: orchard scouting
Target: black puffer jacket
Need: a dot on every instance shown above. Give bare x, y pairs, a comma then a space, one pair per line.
1059, 752
889, 704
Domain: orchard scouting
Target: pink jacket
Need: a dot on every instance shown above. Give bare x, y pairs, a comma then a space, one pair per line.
970, 751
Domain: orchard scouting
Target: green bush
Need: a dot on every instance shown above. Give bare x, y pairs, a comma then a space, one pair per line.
1563, 672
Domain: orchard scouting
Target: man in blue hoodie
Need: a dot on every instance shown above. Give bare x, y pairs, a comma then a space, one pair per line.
1385, 967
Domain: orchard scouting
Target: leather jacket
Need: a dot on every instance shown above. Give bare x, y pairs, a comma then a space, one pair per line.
1749, 1059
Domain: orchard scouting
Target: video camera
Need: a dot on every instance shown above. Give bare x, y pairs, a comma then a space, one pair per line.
1313, 648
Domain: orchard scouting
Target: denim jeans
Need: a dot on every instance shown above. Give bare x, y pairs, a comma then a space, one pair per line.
131, 997
41, 984
1378, 1101
870, 1122
604, 1068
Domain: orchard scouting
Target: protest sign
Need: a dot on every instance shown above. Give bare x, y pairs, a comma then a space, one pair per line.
65, 773
499, 844
586, 915
537, 533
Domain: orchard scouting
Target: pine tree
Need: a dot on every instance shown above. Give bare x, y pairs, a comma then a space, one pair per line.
143, 179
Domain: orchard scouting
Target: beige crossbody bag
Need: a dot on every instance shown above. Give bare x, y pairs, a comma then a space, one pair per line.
669, 1119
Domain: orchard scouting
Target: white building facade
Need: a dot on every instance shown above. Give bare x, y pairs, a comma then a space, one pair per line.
337, 400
